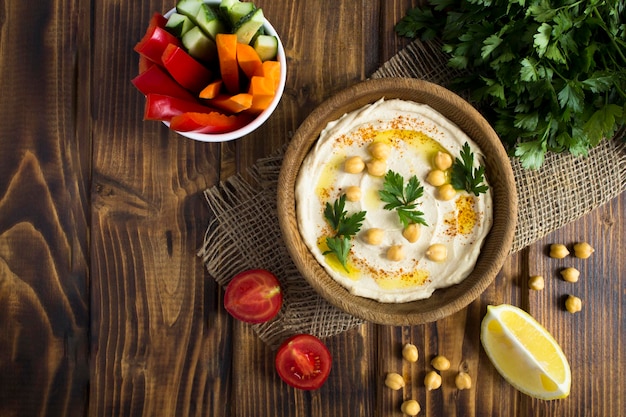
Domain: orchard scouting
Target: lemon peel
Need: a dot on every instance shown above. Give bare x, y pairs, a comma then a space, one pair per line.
525, 353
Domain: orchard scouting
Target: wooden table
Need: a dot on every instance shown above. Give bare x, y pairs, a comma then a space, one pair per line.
105, 310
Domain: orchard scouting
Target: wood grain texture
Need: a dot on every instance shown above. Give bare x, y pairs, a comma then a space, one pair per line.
44, 237
105, 309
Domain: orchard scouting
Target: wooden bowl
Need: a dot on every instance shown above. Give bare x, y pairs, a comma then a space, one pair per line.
495, 248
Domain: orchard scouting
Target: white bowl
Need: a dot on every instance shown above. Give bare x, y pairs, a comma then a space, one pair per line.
264, 115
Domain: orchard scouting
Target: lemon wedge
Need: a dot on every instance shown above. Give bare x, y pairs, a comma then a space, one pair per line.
525, 353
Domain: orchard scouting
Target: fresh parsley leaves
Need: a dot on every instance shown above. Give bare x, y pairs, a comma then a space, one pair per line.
403, 198
464, 176
549, 76
344, 227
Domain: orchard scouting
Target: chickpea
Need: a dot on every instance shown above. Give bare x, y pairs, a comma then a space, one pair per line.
354, 165
376, 167
558, 251
410, 407
353, 193
395, 253
437, 252
373, 236
570, 274
440, 363
583, 250
411, 232
443, 160
394, 381
446, 192
432, 380
409, 352
463, 381
436, 177
536, 283
573, 304
379, 150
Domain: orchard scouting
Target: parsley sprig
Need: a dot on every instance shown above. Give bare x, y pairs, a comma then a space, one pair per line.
403, 199
344, 227
464, 176
549, 76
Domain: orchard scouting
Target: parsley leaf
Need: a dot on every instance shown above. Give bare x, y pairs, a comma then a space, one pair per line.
344, 227
464, 176
549, 76
340, 247
402, 199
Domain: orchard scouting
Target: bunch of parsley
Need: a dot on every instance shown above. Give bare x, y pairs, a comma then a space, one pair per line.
548, 75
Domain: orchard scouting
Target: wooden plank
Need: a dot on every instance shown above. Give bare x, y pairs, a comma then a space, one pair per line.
44, 178
160, 341
591, 338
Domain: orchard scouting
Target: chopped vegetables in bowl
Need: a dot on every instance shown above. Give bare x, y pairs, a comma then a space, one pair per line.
211, 70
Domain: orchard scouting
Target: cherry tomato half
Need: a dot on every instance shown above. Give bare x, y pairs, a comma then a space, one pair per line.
303, 361
253, 296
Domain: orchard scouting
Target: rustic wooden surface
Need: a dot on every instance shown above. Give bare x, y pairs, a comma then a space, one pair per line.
105, 310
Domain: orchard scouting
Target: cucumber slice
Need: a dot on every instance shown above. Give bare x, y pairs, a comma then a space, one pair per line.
240, 10
189, 8
247, 27
225, 6
199, 45
178, 24
266, 46
209, 21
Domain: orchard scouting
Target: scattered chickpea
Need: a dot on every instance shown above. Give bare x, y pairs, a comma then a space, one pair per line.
536, 283
440, 363
353, 193
409, 352
410, 407
570, 274
395, 253
354, 165
558, 251
437, 252
583, 250
373, 236
394, 381
379, 150
443, 160
573, 304
446, 192
463, 381
376, 167
436, 177
411, 232
432, 380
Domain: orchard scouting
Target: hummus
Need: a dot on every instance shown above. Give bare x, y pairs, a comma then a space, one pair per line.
414, 136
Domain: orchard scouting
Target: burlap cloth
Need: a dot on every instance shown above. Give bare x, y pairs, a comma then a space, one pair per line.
244, 233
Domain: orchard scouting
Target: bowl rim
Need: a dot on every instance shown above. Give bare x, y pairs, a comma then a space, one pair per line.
261, 117
493, 254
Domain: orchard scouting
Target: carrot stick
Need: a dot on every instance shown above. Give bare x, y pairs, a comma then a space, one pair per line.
211, 90
248, 59
227, 56
232, 104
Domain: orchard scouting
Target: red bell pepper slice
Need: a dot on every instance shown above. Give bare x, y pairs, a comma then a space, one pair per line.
155, 80
158, 20
145, 63
162, 107
154, 42
214, 122
188, 72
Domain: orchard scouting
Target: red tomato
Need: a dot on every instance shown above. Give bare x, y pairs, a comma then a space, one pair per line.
303, 361
253, 296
